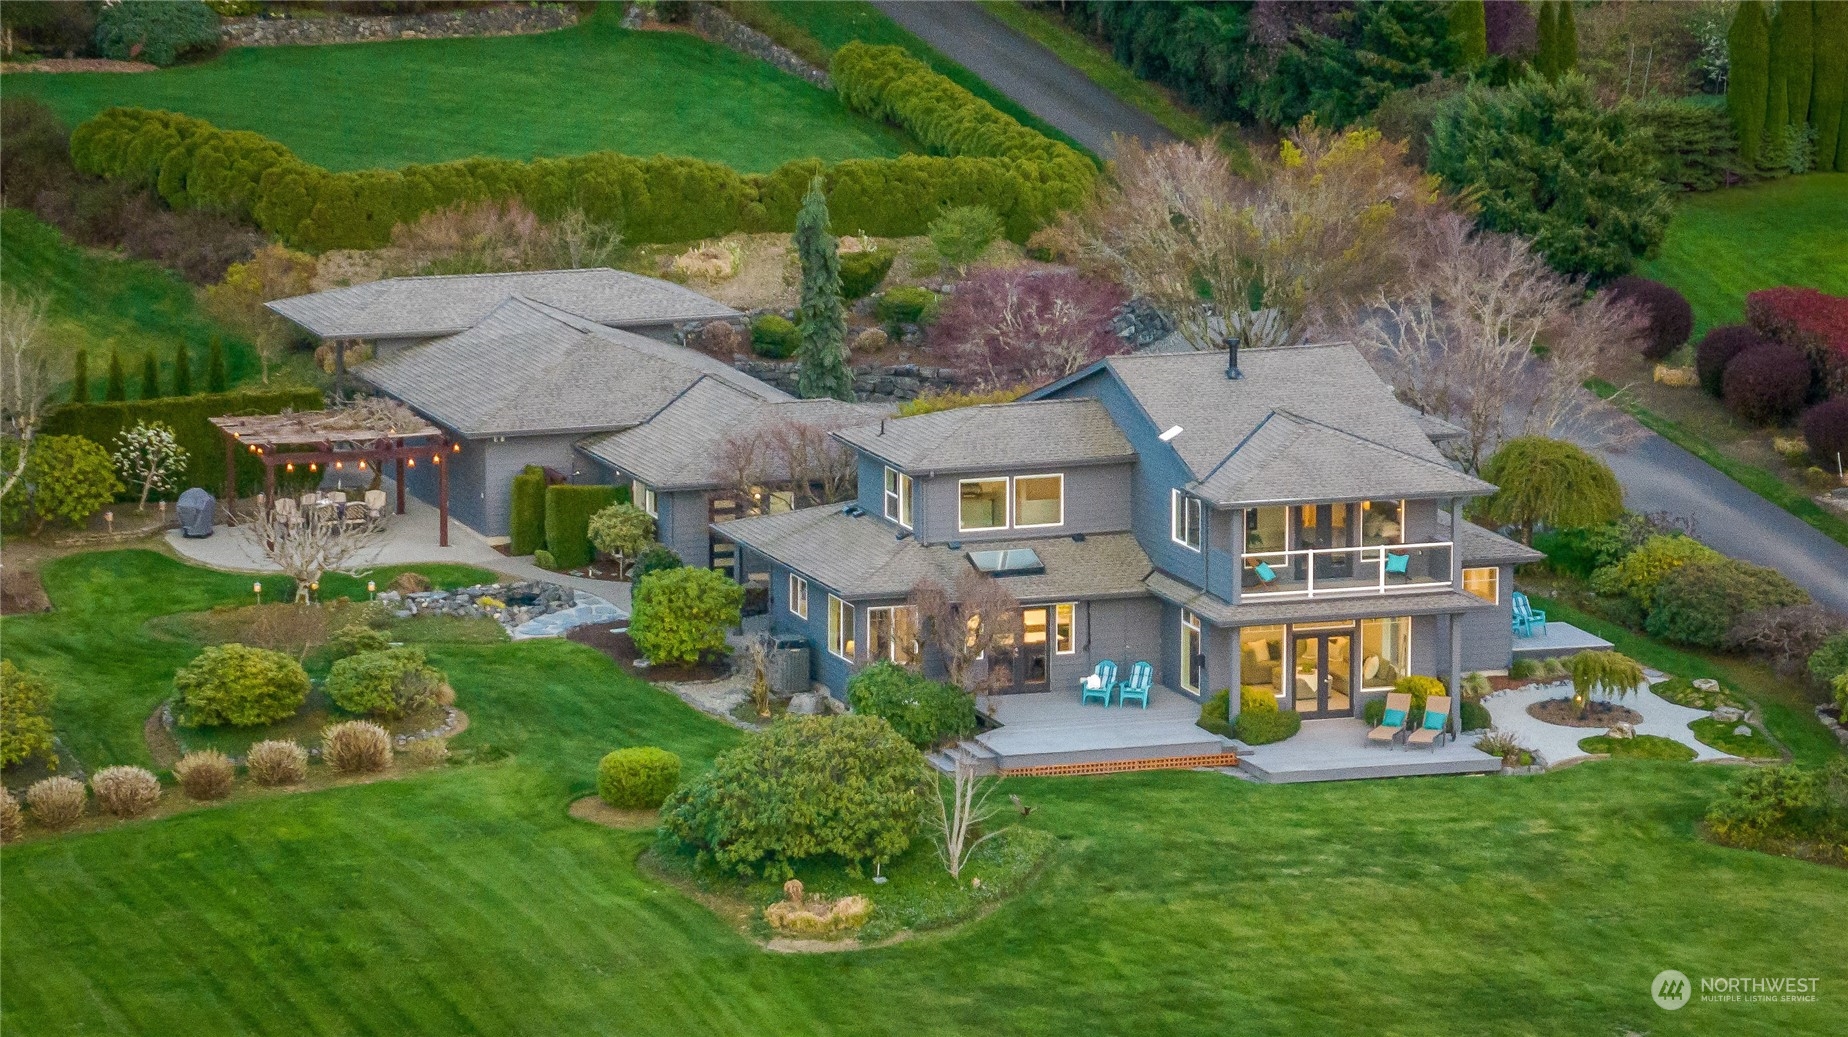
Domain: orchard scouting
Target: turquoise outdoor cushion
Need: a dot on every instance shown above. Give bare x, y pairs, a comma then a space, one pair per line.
1434, 721
1265, 572
1393, 718
1398, 564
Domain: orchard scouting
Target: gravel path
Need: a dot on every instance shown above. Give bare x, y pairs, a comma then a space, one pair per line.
1554, 745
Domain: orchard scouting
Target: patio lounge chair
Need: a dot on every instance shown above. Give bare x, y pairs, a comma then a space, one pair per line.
1435, 730
1098, 686
1266, 575
286, 511
1392, 723
1528, 620
1136, 687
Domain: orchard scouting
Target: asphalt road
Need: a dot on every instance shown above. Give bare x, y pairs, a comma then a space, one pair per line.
1025, 71
1657, 475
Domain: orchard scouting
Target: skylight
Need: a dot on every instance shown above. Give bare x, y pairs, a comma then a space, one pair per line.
1019, 561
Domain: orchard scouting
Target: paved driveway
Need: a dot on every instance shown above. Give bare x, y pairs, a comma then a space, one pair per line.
1025, 71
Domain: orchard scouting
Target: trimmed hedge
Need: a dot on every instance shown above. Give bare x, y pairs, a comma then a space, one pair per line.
568, 509
638, 778
189, 417
774, 336
526, 527
982, 157
1262, 727
924, 712
861, 272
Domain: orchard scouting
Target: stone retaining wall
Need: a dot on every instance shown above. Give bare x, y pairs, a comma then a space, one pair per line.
514, 20
721, 28
870, 383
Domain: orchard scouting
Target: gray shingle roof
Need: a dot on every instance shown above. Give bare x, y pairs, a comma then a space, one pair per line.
1303, 610
861, 557
529, 369
1002, 435
1299, 416
682, 446
1480, 546
423, 307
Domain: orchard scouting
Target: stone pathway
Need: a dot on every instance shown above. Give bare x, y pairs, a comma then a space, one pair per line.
1553, 744
589, 609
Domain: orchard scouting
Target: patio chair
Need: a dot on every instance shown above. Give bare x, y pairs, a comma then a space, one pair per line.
1141, 676
1392, 723
1528, 620
1435, 730
286, 511
354, 513
1098, 685
375, 506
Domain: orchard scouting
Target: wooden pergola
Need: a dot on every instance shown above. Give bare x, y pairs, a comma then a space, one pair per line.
315, 439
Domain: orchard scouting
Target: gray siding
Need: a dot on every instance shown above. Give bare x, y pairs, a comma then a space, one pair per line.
1488, 636
465, 481
1097, 500
682, 523
872, 486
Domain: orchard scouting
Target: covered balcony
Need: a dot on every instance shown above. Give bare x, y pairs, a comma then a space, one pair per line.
1326, 572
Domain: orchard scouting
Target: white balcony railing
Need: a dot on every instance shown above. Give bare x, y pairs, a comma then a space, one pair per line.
1327, 572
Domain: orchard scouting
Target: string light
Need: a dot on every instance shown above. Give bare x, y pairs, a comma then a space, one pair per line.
291, 466
412, 462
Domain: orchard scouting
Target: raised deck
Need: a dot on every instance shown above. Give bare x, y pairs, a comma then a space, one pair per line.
1337, 750
1051, 733
1560, 639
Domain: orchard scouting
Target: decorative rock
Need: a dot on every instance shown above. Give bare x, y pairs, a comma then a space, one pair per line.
806, 704
1743, 730
1728, 714
1621, 731
1707, 684
479, 20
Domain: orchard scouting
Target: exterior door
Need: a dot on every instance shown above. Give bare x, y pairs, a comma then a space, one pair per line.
1323, 526
1324, 669
1031, 661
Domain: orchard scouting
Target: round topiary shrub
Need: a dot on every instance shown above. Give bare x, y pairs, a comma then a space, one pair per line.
205, 774
390, 684
238, 685
1717, 349
845, 786
1825, 429
907, 305
125, 792
924, 712
1669, 319
1766, 385
277, 762
356, 747
1263, 726
57, 803
638, 778
678, 616
12, 819
356, 638
657, 558
774, 337
544, 560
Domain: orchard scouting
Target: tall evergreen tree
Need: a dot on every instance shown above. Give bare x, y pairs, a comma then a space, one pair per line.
1565, 38
150, 375
215, 380
1546, 50
182, 369
1777, 92
115, 390
1829, 94
1469, 27
1797, 22
822, 355
1748, 83
80, 377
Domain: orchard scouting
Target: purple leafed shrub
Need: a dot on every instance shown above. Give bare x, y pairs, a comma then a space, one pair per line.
1766, 384
1718, 348
1008, 327
1825, 428
1668, 319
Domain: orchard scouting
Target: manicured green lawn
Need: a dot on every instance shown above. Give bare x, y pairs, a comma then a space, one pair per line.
465, 900
97, 302
596, 87
1724, 244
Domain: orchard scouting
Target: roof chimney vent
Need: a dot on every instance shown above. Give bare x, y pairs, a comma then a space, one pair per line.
1232, 371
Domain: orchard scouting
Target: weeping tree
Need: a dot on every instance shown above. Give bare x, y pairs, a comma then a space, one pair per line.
823, 323
1604, 674
1547, 482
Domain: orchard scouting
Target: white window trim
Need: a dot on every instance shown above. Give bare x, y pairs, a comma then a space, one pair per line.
643, 497
1178, 504
1494, 582
1013, 484
1405, 647
1007, 505
1069, 608
798, 591
1189, 621
889, 655
840, 634
898, 496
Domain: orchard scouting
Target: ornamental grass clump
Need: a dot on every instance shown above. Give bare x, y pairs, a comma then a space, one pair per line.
125, 792
12, 819
428, 752
638, 778
57, 803
205, 774
275, 762
801, 915
356, 747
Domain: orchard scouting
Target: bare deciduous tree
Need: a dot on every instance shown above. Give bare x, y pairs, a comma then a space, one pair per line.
964, 814
979, 618
25, 382
799, 457
310, 543
1018, 326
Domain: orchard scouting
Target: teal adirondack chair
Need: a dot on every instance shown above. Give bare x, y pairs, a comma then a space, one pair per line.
1528, 620
1141, 676
1106, 682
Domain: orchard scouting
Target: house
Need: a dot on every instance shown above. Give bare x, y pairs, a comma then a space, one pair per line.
1277, 522
516, 369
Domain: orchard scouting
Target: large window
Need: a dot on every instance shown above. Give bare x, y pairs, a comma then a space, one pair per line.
1382, 522
840, 627
1039, 500
1261, 664
643, 497
984, 504
891, 634
798, 595
1264, 529
1184, 512
1385, 651
1065, 628
1484, 583
898, 497
1190, 651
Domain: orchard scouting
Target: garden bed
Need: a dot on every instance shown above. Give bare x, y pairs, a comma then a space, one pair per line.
1721, 735
1640, 747
1566, 713
169, 740
620, 647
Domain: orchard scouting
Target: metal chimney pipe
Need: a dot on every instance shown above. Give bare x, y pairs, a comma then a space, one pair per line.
1232, 371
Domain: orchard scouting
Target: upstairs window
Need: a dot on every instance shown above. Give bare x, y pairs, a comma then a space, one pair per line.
983, 503
898, 497
1039, 500
1185, 516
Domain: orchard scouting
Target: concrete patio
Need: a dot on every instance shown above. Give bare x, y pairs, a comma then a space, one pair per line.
1560, 639
1336, 749
1554, 744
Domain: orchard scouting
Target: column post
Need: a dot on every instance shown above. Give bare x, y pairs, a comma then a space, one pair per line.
1456, 538
1456, 674
230, 479
442, 496
400, 481
1236, 668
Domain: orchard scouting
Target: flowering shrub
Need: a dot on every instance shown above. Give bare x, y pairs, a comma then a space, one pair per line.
1766, 385
1017, 325
150, 459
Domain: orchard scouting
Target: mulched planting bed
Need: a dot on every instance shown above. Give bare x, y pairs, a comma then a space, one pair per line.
1565, 713
21, 592
621, 649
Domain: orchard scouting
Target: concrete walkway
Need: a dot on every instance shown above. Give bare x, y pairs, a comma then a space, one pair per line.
1025, 71
1554, 744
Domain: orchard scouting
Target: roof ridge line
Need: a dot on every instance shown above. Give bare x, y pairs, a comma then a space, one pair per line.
1240, 445
1372, 442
